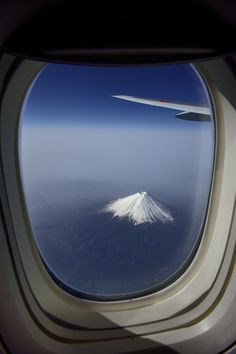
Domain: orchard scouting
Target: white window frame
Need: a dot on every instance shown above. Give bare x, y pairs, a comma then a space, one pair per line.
165, 313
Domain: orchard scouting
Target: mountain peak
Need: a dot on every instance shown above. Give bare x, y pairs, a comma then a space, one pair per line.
140, 208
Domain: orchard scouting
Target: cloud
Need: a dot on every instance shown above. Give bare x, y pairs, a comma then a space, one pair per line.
173, 159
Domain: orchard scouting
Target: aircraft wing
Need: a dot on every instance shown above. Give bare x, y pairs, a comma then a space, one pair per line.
188, 112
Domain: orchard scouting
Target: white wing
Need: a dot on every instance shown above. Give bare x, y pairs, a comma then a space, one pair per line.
188, 112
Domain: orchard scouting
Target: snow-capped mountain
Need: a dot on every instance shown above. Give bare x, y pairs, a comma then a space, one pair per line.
139, 208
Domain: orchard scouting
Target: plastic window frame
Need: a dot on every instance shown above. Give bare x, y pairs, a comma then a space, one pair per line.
140, 314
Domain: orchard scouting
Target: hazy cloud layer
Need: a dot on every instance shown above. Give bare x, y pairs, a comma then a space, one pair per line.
171, 159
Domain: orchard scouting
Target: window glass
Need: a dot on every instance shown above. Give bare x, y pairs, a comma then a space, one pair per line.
116, 165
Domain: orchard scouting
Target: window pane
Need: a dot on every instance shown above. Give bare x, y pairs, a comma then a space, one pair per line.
116, 174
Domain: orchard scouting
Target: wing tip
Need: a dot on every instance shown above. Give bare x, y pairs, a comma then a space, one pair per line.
120, 96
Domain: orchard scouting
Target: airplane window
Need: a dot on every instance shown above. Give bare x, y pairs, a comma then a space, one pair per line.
116, 166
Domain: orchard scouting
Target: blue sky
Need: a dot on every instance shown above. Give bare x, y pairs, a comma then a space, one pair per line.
75, 94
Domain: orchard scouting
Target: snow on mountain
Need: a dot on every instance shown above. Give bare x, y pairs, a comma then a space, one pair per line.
139, 208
